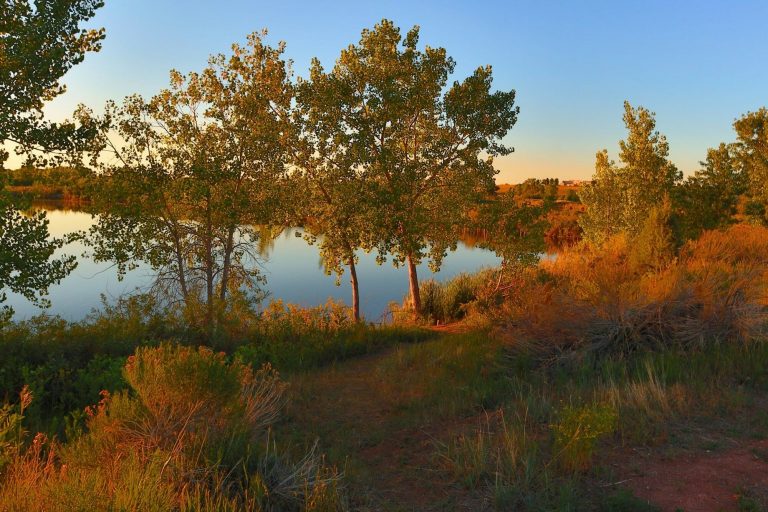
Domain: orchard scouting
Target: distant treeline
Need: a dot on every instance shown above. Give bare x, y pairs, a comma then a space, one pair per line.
58, 183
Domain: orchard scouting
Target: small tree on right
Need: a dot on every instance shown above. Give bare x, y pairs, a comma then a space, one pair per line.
708, 198
752, 153
621, 197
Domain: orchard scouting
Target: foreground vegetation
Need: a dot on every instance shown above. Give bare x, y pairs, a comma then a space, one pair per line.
553, 373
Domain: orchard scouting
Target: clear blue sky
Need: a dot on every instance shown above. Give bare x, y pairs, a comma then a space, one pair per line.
698, 65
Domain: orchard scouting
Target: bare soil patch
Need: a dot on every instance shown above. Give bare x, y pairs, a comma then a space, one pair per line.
700, 481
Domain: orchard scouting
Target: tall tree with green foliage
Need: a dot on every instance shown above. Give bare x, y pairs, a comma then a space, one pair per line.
425, 148
197, 173
752, 152
620, 198
708, 199
335, 206
39, 42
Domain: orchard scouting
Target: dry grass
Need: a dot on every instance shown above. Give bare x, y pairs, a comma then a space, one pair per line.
596, 301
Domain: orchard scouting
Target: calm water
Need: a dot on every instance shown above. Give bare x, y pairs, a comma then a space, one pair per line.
293, 269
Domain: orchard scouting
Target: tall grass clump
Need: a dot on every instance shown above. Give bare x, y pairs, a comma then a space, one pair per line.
576, 432
518, 465
191, 433
501, 455
452, 300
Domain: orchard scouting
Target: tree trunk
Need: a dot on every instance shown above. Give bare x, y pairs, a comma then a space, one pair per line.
181, 272
209, 290
355, 292
413, 280
227, 265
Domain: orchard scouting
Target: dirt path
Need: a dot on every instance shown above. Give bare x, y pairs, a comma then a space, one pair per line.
367, 425
356, 414
702, 481
452, 328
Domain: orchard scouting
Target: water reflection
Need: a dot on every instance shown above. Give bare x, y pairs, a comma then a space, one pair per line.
293, 269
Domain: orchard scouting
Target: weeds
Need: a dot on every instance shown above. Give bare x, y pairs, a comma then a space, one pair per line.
452, 300
577, 431
193, 434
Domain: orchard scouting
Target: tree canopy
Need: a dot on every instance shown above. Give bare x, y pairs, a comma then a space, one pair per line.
197, 173
752, 150
426, 149
39, 42
708, 199
621, 197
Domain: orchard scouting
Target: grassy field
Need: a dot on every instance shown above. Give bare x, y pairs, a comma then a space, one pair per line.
455, 423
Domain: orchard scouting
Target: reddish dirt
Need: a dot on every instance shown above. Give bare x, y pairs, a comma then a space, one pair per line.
699, 482
452, 328
354, 409
394, 457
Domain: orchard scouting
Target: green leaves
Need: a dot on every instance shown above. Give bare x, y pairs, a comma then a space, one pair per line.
40, 42
26, 267
752, 151
708, 199
394, 161
620, 198
198, 168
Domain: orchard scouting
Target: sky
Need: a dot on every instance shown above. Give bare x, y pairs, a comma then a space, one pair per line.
697, 65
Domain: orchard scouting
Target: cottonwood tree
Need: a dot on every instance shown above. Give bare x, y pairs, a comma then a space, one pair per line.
336, 205
39, 42
197, 170
620, 198
752, 151
708, 198
425, 148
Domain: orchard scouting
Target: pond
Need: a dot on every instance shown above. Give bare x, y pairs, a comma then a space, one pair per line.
292, 267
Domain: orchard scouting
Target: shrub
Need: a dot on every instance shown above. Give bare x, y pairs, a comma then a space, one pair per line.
64, 364
197, 395
283, 321
192, 434
577, 431
600, 302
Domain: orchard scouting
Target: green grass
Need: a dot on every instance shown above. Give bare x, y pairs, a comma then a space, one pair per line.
291, 352
497, 416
